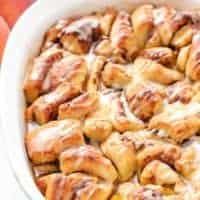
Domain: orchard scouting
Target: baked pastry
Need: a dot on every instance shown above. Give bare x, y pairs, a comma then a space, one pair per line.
79, 107
113, 106
167, 153
77, 186
115, 75
71, 68
162, 55
180, 121
122, 153
123, 38
130, 191
45, 143
37, 72
78, 36
87, 159
145, 99
153, 174
45, 108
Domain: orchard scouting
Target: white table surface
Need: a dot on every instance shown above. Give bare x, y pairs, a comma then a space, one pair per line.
9, 189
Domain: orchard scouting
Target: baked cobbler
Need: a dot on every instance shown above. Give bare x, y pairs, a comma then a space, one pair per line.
113, 106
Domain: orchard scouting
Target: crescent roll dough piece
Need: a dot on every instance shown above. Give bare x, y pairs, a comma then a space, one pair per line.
98, 125
97, 128
122, 154
45, 169
79, 107
164, 152
179, 121
168, 21
38, 71
181, 91
193, 66
104, 48
107, 20
87, 159
162, 55
93, 81
42, 183
182, 58
122, 119
45, 108
183, 36
72, 69
54, 33
115, 75
142, 20
188, 162
148, 68
159, 173
145, 100
131, 191
78, 36
154, 39
44, 144
122, 35
142, 138
77, 186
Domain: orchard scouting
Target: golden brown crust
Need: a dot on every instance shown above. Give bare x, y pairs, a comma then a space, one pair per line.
181, 91
187, 162
45, 108
122, 35
87, 159
115, 75
93, 81
162, 55
98, 125
37, 73
179, 121
78, 36
122, 154
131, 191
168, 21
97, 129
144, 100
72, 69
167, 153
45, 169
79, 107
158, 173
121, 118
104, 48
182, 58
192, 66
42, 183
154, 39
183, 36
148, 68
142, 20
54, 33
107, 20
45, 143
77, 186
141, 139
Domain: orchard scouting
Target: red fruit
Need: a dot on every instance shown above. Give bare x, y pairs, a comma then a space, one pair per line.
4, 31
10, 10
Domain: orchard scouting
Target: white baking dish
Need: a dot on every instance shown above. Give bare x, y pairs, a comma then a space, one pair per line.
23, 43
